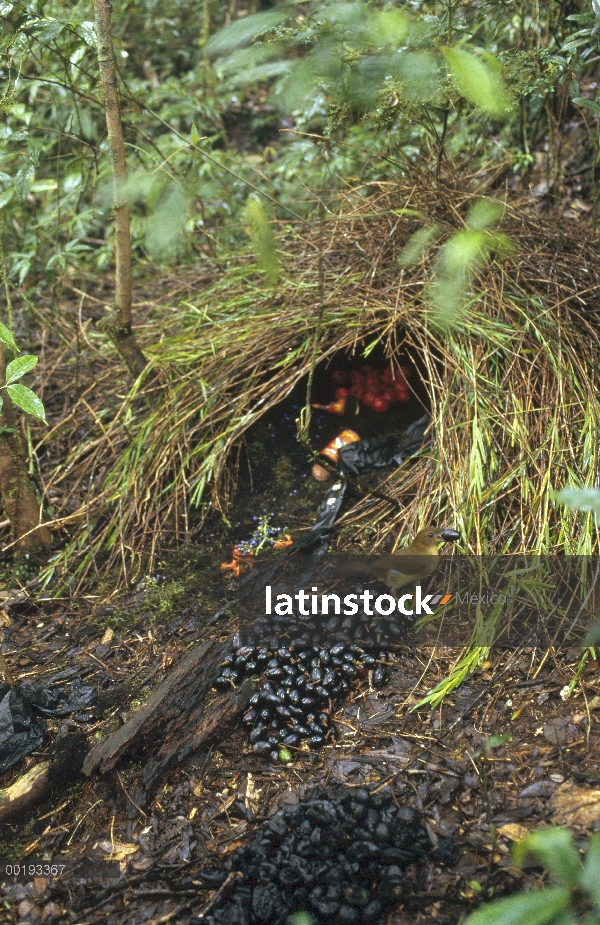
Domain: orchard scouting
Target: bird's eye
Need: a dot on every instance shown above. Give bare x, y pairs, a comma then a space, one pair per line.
430, 534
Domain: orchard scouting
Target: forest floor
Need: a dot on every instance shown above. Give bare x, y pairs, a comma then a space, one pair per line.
125, 865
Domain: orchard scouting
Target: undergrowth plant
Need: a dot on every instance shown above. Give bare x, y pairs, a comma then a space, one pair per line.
574, 899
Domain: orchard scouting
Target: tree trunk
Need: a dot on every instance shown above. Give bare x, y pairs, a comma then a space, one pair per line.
30, 534
119, 327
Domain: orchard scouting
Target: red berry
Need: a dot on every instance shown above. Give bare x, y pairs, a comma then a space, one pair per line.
389, 396
368, 398
358, 391
356, 377
373, 385
379, 404
341, 393
388, 376
403, 395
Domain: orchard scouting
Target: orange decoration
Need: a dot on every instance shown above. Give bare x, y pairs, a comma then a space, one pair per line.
241, 562
336, 407
332, 450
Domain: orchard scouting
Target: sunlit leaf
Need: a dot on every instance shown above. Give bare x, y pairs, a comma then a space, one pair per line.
556, 850
388, 27
536, 908
477, 81
27, 400
166, 222
259, 229
245, 30
484, 213
18, 367
580, 499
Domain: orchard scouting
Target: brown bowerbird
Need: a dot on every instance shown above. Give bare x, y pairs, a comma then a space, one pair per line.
407, 566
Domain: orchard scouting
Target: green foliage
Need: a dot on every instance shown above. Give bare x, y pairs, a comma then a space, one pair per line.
575, 899
580, 499
461, 257
27, 400
479, 81
259, 229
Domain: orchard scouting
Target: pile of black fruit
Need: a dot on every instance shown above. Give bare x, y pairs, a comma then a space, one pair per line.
298, 691
342, 855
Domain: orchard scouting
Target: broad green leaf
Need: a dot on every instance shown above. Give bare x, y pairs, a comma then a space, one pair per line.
536, 908
417, 245
166, 222
484, 213
27, 400
590, 878
580, 499
259, 229
556, 850
477, 81
7, 338
587, 104
388, 27
245, 30
18, 367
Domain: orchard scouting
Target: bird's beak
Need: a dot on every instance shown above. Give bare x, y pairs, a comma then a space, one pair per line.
449, 536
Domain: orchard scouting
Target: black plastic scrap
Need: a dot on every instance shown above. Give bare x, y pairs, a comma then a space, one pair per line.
383, 452
21, 729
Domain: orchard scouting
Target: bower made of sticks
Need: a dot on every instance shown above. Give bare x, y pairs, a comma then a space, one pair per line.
512, 385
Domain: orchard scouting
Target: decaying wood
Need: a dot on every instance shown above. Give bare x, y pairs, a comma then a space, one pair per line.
176, 714
186, 735
40, 780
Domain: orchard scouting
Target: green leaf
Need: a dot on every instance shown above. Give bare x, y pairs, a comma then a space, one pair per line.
245, 30
27, 400
484, 213
495, 741
263, 239
17, 368
417, 245
590, 878
166, 223
478, 82
7, 338
556, 850
6, 196
535, 908
580, 499
587, 104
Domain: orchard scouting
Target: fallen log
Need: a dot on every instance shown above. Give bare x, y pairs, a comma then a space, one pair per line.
176, 714
186, 735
